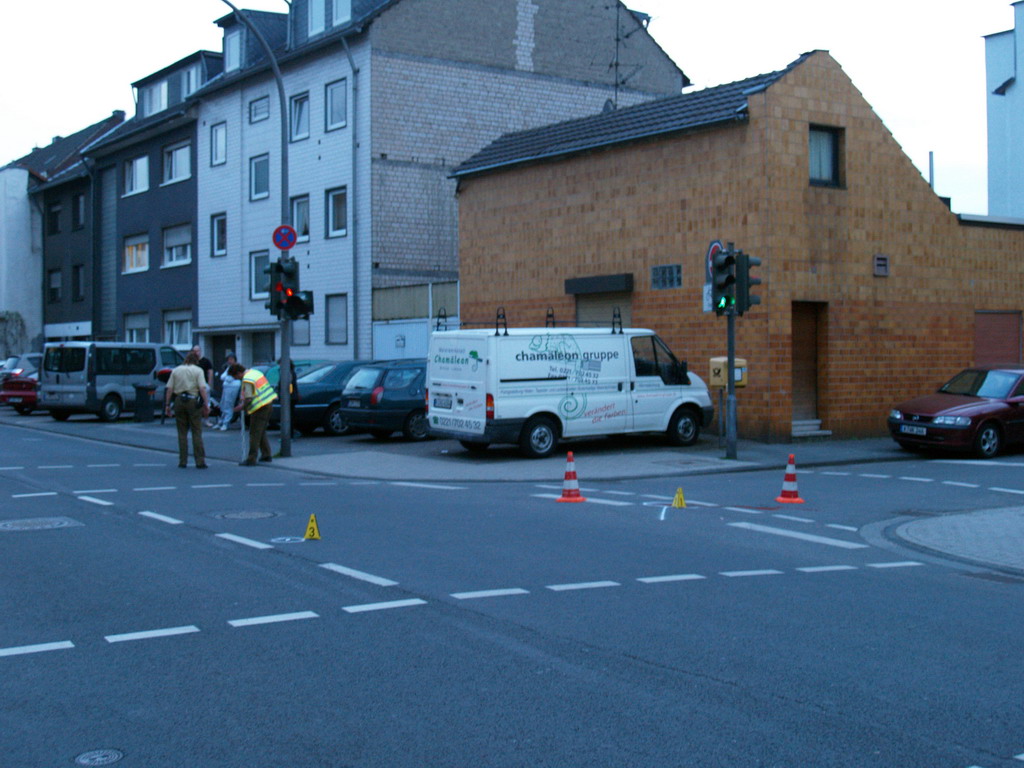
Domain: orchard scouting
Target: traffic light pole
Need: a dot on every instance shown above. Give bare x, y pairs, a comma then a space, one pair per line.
286, 367
730, 400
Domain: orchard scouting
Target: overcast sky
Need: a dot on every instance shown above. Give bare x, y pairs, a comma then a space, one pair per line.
919, 63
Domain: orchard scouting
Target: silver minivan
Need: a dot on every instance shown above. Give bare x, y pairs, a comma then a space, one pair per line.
101, 377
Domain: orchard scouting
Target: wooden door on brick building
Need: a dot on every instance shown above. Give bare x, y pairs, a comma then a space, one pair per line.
804, 356
996, 338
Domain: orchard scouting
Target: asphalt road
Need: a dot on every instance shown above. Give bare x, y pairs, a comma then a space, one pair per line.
155, 616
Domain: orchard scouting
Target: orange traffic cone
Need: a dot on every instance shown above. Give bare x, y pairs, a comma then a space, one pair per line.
570, 486
789, 494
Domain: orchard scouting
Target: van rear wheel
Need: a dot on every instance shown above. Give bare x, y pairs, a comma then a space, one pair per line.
110, 408
538, 438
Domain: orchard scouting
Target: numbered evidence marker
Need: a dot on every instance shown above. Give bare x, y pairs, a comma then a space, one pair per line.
312, 531
679, 502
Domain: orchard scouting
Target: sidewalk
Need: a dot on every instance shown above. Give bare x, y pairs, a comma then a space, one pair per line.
991, 538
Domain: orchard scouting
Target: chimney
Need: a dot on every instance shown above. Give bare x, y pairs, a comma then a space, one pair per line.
56, 139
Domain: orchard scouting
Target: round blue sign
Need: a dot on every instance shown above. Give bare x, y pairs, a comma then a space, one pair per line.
285, 238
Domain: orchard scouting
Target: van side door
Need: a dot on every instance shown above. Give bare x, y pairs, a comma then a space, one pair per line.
654, 386
597, 396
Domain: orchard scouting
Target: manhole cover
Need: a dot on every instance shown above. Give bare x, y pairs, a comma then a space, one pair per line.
38, 524
245, 514
99, 757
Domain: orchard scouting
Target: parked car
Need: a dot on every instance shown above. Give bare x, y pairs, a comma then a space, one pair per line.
20, 365
980, 409
21, 392
387, 396
320, 398
273, 370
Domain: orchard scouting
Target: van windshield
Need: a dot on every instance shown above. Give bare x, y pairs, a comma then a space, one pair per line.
64, 359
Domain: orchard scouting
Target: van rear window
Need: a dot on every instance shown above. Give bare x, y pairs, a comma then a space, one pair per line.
64, 359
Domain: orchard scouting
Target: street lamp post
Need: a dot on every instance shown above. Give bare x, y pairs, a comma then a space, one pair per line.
286, 368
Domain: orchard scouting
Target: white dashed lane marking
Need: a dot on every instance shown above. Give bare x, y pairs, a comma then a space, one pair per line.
150, 634
1007, 490
378, 580
383, 606
673, 577
162, 518
582, 585
98, 490
243, 540
433, 486
918, 479
32, 495
93, 500
766, 572
827, 568
489, 593
38, 648
809, 537
157, 488
274, 619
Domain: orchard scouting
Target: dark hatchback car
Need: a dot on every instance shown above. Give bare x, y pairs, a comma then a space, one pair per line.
319, 402
980, 409
384, 397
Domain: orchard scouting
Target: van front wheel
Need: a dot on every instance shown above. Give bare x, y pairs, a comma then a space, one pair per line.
110, 409
684, 429
539, 437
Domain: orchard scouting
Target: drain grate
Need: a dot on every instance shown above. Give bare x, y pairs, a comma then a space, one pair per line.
38, 524
99, 757
245, 514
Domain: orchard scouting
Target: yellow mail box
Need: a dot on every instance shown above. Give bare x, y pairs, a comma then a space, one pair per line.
718, 372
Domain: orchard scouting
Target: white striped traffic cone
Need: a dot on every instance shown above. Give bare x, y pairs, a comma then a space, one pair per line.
570, 486
789, 494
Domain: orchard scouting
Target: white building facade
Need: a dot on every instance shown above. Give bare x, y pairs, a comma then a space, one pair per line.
382, 104
1004, 57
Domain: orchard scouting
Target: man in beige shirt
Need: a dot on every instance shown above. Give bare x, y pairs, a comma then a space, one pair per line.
187, 386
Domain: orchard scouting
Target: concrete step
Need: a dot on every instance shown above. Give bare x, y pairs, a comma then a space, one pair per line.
809, 428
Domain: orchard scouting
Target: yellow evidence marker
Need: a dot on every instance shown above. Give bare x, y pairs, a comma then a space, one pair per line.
312, 531
679, 502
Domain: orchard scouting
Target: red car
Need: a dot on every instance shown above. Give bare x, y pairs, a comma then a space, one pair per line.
20, 392
980, 409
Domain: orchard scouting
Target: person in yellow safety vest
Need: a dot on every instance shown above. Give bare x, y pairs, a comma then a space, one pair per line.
257, 397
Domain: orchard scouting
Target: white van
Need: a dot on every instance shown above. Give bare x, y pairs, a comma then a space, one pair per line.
100, 376
533, 386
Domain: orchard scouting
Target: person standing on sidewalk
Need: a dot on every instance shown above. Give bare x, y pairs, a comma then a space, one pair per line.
257, 398
191, 400
228, 394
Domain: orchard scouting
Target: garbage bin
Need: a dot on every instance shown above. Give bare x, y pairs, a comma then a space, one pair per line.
144, 401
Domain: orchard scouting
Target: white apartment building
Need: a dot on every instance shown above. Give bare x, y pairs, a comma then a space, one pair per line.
384, 98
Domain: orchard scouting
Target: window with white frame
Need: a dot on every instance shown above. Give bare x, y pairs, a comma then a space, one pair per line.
219, 234
300, 117
259, 109
337, 212
153, 98
336, 105
177, 162
300, 332
136, 253
337, 318
218, 144
178, 245
259, 177
136, 327
300, 217
232, 50
53, 285
190, 80
178, 328
342, 12
317, 17
259, 282
136, 175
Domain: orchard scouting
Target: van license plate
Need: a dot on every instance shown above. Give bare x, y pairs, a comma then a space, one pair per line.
353, 403
443, 402
908, 429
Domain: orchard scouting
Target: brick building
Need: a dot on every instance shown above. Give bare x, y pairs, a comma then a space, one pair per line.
873, 289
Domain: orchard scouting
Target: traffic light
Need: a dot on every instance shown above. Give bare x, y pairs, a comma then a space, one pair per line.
274, 303
723, 281
299, 305
745, 281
